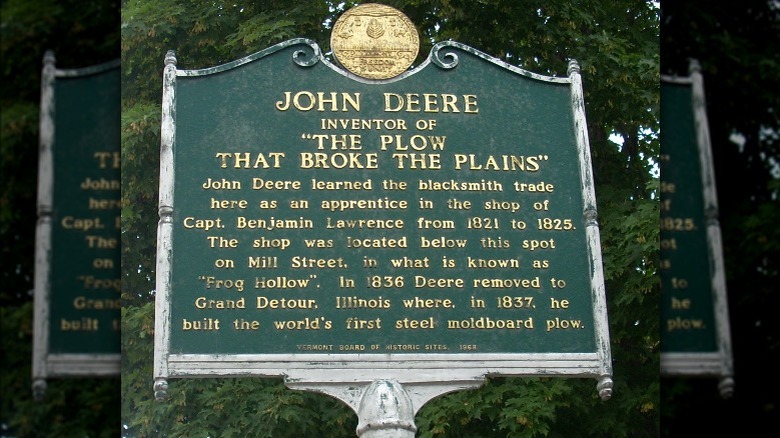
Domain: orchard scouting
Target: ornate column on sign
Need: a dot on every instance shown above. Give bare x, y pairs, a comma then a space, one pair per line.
165, 224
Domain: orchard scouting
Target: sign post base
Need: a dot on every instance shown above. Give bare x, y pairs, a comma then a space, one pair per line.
386, 410
385, 407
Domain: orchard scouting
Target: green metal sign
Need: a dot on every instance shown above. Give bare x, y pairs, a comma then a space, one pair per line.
312, 217
78, 255
695, 338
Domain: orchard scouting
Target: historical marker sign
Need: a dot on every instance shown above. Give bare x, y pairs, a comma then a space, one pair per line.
695, 338
438, 225
77, 284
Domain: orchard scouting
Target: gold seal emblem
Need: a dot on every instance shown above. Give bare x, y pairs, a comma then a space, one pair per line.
375, 41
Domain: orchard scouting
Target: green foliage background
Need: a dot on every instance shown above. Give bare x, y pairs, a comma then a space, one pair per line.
616, 44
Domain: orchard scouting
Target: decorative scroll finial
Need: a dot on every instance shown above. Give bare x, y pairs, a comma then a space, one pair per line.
438, 56
307, 58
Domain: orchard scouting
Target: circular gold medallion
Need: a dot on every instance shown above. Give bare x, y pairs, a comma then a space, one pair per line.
375, 41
